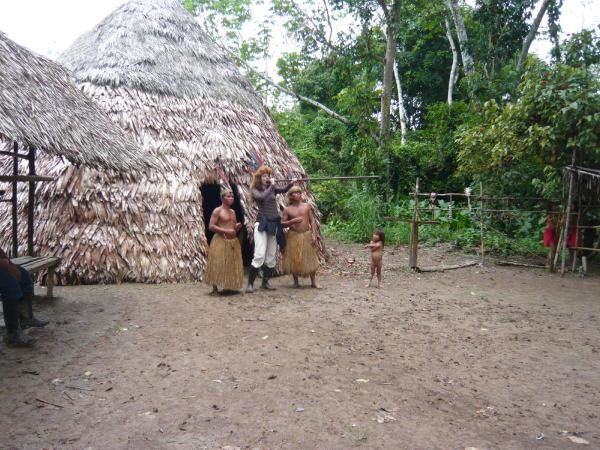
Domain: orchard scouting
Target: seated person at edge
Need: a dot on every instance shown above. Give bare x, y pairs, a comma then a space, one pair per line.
225, 268
16, 289
267, 229
300, 256
376, 246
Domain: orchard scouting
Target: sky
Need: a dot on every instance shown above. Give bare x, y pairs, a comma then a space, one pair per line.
49, 27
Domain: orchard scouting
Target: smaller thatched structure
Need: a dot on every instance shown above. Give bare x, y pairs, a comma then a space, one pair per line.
586, 183
40, 107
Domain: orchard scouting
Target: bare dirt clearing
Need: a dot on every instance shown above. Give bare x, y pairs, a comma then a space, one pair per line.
488, 358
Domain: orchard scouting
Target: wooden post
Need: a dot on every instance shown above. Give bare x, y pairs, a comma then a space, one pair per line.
450, 208
31, 203
577, 243
15, 218
481, 211
50, 283
414, 231
567, 216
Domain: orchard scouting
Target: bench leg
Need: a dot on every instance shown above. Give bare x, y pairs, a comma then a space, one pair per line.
50, 283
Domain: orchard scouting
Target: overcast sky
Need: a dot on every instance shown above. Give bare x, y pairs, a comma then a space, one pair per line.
50, 26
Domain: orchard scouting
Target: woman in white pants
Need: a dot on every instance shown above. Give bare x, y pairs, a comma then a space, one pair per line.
267, 229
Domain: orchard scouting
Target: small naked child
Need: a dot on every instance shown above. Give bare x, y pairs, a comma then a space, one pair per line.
376, 246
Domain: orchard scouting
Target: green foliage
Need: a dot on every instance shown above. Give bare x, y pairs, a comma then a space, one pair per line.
556, 113
356, 216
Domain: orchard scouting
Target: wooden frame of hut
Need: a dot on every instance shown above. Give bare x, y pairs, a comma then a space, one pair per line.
583, 195
40, 108
152, 68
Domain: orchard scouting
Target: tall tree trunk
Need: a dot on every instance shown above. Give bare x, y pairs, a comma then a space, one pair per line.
401, 110
532, 33
463, 39
391, 18
454, 69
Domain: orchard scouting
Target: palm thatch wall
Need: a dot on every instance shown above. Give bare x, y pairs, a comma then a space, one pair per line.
156, 73
42, 108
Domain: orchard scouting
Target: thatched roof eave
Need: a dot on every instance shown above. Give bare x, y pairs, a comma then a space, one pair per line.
42, 108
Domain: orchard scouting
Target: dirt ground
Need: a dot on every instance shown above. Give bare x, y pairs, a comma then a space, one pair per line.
491, 358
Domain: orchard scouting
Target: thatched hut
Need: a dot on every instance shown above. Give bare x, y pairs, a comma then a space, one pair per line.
156, 73
41, 109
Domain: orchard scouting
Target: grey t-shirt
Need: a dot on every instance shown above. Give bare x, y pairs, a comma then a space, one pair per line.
265, 199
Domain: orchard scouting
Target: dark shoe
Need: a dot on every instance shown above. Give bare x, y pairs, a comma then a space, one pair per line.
33, 322
267, 272
18, 339
14, 334
27, 318
251, 277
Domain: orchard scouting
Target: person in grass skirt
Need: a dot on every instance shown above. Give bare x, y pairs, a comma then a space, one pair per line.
225, 268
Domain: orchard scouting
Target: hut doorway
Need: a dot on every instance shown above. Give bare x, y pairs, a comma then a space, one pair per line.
211, 199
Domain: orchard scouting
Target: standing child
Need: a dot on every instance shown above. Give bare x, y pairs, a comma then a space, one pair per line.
225, 268
300, 255
376, 246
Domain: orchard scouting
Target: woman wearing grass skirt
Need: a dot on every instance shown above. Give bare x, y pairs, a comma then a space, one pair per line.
225, 268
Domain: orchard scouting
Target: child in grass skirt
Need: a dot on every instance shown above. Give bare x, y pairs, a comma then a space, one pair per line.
300, 256
224, 268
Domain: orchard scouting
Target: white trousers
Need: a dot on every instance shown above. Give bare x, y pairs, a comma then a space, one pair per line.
265, 249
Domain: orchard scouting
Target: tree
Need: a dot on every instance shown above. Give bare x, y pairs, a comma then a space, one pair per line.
557, 111
454, 70
532, 32
463, 39
391, 14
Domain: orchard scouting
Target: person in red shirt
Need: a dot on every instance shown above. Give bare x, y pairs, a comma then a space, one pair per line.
550, 239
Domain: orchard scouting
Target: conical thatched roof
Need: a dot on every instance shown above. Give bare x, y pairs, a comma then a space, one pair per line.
40, 107
155, 72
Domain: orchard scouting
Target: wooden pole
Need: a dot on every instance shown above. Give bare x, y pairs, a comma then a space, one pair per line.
31, 203
450, 267
576, 230
567, 217
13, 178
481, 211
15, 218
414, 231
362, 177
450, 208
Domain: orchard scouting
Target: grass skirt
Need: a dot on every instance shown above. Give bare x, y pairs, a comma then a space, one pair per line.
225, 268
300, 256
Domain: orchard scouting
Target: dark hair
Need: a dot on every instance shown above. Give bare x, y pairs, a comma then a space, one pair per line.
379, 232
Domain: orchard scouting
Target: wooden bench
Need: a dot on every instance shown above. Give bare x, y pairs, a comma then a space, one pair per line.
34, 264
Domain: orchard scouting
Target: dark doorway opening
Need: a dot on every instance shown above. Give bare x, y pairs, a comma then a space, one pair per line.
211, 199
